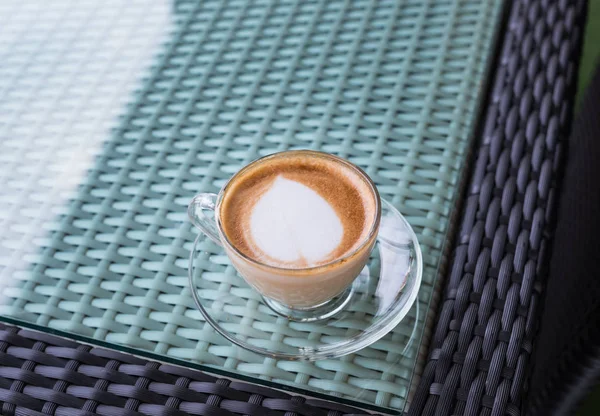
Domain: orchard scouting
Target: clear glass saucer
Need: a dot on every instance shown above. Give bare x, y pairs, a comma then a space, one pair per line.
377, 301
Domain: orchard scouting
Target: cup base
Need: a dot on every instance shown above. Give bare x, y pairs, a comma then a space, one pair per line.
314, 313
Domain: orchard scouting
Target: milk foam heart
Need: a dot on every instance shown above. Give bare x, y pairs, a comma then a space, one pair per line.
292, 223
298, 211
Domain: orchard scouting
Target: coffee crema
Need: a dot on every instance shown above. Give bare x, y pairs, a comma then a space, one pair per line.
298, 211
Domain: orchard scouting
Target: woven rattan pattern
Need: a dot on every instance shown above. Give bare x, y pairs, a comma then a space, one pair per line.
390, 85
569, 335
46, 375
487, 324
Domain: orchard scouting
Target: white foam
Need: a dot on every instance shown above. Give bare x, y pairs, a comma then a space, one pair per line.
291, 222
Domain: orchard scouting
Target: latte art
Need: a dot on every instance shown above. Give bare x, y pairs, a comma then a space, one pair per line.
298, 212
292, 223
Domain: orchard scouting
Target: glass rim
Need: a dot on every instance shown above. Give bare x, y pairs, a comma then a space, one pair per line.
372, 232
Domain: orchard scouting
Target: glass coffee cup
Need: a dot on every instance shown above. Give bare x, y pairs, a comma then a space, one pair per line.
299, 292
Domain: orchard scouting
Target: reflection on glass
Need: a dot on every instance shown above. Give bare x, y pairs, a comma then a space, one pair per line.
66, 74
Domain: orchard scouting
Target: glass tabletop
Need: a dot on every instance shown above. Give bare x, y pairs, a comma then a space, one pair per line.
114, 114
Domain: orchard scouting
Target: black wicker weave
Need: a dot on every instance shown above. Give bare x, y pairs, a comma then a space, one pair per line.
42, 374
566, 362
486, 328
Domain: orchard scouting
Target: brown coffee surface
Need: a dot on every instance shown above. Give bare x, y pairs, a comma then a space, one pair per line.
346, 191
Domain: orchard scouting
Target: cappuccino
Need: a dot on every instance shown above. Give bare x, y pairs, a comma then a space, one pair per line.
299, 226
298, 210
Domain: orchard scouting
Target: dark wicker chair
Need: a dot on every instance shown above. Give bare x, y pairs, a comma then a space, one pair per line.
488, 353
518, 329
566, 361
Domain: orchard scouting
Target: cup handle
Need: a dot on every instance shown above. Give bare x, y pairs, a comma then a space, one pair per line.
197, 214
